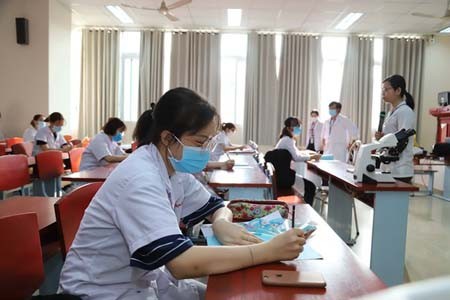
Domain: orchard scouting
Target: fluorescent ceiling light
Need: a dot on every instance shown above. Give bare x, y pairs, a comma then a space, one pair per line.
120, 14
234, 17
445, 30
346, 22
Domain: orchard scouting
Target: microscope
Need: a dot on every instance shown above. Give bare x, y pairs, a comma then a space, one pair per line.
386, 150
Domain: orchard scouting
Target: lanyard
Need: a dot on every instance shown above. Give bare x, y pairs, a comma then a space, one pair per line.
331, 125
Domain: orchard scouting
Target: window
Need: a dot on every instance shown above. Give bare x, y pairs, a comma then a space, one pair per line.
129, 75
232, 77
376, 98
334, 50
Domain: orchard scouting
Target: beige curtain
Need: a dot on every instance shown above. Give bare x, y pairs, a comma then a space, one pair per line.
150, 68
260, 116
299, 78
404, 57
99, 79
357, 84
195, 63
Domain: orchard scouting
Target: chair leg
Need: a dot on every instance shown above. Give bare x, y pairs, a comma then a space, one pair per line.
58, 187
356, 221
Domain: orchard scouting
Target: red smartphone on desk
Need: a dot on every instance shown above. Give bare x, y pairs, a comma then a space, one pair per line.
293, 279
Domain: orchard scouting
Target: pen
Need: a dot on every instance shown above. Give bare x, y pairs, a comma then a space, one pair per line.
293, 216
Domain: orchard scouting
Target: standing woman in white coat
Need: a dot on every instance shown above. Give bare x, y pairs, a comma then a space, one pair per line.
314, 133
401, 116
129, 244
36, 123
338, 133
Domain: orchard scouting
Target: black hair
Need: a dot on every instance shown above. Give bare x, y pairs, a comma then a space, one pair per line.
289, 123
398, 82
314, 111
112, 125
152, 105
54, 117
35, 119
338, 104
229, 126
180, 111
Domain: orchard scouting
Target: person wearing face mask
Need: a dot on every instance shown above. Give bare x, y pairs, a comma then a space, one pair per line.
103, 148
292, 128
338, 133
129, 244
314, 133
401, 116
36, 123
49, 137
222, 140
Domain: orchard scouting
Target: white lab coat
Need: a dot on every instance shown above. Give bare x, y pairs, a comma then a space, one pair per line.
99, 147
29, 134
317, 131
138, 204
288, 143
45, 134
222, 140
342, 132
402, 117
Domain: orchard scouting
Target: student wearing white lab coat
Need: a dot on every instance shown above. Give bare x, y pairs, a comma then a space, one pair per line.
129, 244
314, 133
338, 133
36, 123
49, 137
401, 116
292, 128
223, 143
103, 148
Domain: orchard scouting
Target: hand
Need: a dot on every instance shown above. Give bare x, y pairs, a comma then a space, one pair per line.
242, 147
233, 234
378, 135
316, 156
228, 165
288, 245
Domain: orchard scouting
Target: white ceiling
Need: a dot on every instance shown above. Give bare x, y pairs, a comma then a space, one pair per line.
318, 16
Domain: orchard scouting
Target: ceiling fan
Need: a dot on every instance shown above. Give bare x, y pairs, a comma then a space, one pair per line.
163, 9
445, 15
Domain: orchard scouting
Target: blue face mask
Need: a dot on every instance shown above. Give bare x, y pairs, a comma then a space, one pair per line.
193, 161
117, 137
40, 124
332, 112
57, 129
297, 130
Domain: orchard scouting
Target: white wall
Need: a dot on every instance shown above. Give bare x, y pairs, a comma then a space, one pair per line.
23, 68
60, 24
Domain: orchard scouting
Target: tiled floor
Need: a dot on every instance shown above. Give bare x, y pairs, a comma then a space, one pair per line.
428, 238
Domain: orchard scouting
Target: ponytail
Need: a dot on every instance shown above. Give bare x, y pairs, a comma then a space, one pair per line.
229, 126
143, 131
409, 100
286, 132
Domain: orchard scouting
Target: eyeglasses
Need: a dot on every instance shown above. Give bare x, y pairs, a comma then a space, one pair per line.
207, 145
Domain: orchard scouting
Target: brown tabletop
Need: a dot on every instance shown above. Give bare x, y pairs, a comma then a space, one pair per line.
345, 275
42, 206
92, 175
246, 173
337, 170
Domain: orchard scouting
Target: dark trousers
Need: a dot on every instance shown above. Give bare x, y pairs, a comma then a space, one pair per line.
310, 191
311, 147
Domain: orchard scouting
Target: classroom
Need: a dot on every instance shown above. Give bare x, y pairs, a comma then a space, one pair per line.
234, 149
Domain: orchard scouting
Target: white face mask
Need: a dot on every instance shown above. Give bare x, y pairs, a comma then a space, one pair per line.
313, 119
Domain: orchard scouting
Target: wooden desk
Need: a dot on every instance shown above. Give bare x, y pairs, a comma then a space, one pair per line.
92, 175
246, 179
390, 216
42, 206
345, 275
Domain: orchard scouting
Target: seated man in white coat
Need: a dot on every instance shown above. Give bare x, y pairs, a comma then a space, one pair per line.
338, 133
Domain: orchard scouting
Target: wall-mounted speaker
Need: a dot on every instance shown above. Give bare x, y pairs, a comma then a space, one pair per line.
22, 31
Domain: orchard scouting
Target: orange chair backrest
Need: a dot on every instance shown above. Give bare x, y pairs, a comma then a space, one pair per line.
25, 148
49, 164
69, 213
2, 149
13, 171
75, 158
12, 141
21, 265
